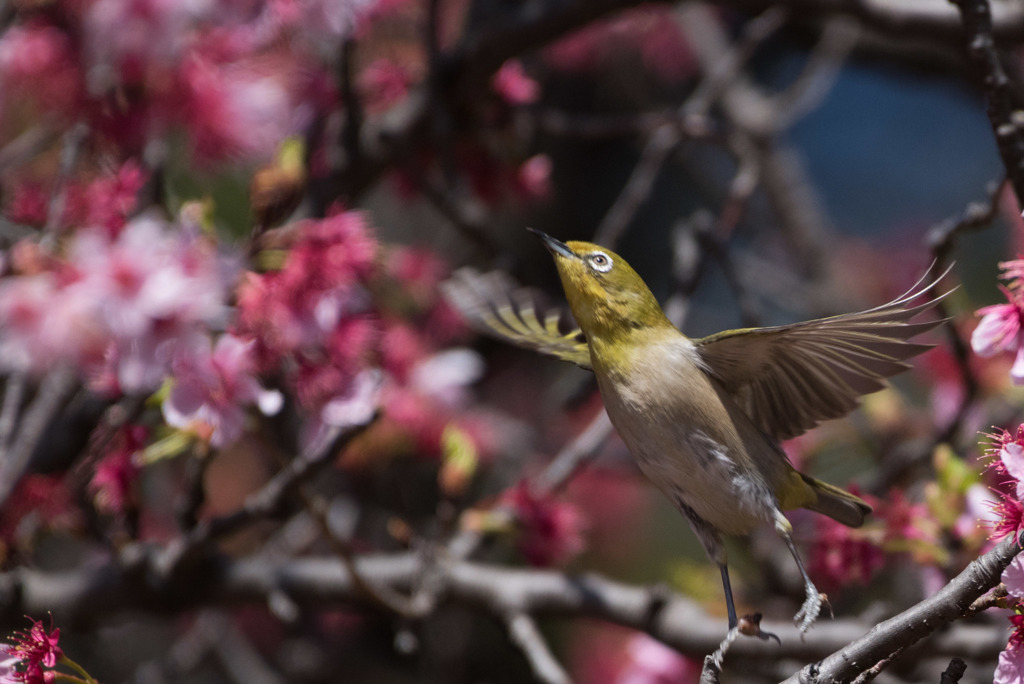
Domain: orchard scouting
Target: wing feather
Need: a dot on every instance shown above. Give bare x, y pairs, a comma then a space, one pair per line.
789, 378
494, 305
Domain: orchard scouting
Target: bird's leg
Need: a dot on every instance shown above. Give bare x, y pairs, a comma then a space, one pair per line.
811, 607
730, 607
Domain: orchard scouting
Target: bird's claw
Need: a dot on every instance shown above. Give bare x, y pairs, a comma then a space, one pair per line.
811, 608
750, 625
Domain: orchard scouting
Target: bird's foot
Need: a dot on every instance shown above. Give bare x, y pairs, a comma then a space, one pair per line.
750, 625
811, 608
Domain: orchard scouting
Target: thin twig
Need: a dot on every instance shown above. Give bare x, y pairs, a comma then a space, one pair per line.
869, 674
72, 145
38, 417
575, 454
14, 393
523, 632
381, 595
722, 73
660, 146
818, 75
267, 500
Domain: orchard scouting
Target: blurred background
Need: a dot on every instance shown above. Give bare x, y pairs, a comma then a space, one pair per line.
230, 375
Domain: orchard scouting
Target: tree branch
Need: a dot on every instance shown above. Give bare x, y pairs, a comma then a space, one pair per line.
133, 582
981, 48
909, 627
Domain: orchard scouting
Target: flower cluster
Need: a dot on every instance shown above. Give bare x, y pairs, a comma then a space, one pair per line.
116, 308
138, 71
313, 319
1006, 453
842, 556
1011, 661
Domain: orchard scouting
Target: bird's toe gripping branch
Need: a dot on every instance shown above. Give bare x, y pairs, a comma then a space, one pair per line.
811, 607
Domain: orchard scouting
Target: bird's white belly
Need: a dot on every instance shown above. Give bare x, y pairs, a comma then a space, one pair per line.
677, 451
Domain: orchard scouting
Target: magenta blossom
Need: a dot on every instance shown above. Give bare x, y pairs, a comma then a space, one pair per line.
513, 85
1006, 451
114, 479
32, 655
550, 531
841, 556
213, 389
1011, 661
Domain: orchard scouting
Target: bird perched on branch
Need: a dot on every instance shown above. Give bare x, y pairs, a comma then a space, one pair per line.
704, 418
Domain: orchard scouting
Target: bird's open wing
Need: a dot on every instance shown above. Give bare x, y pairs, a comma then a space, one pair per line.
790, 377
494, 305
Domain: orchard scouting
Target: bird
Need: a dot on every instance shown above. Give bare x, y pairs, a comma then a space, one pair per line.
704, 418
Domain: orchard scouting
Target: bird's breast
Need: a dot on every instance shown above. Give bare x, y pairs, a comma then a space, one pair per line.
683, 437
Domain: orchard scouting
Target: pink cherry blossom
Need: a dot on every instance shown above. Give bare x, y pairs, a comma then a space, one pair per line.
841, 556
319, 286
648, 661
38, 65
383, 83
37, 502
117, 305
1013, 577
534, 176
550, 530
212, 390
1010, 669
126, 40
152, 289
233, 110
1013, 272
513, 85
104, 201
8, 663
115, 476
647, 31
41, 328
1000, 330
1006, 453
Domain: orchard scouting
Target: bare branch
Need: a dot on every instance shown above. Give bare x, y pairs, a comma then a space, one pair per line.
134, 581
981, 48
660, 145
575, 454
523, 632
38, 417
909, 627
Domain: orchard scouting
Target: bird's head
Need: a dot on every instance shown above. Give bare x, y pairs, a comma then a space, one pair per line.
607, 297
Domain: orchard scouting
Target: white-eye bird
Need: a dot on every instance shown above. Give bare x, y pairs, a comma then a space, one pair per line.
704, 418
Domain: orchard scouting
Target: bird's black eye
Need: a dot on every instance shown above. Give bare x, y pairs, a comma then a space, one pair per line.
600, 262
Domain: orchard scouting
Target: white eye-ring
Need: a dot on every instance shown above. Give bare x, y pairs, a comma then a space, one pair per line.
600, 262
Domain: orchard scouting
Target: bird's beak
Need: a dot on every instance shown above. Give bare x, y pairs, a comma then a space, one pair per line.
554, 246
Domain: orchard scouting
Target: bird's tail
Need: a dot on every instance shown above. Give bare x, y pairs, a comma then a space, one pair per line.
837, 504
